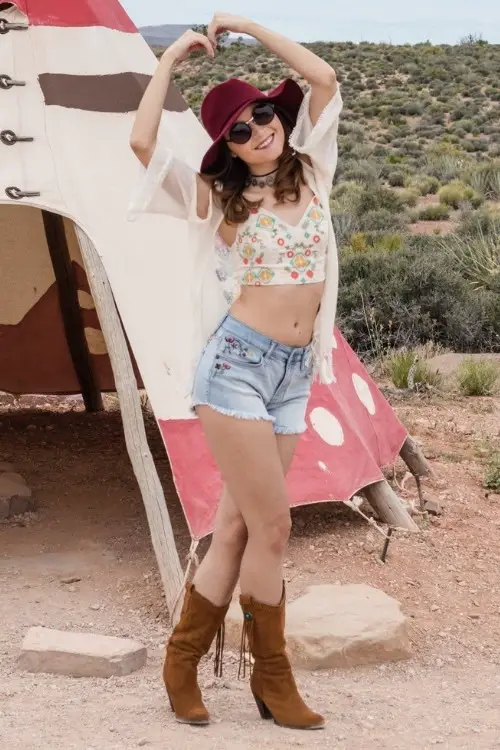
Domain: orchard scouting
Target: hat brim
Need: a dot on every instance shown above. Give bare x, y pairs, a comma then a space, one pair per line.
288, 96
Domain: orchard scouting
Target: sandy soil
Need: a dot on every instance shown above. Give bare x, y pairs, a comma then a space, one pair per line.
91, 525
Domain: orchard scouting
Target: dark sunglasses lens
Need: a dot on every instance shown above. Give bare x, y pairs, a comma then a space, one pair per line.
263, 114
240, 133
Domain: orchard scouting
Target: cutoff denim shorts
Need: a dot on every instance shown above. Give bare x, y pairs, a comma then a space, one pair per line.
242, 373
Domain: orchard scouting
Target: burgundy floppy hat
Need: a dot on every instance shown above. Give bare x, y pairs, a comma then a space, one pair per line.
224, 103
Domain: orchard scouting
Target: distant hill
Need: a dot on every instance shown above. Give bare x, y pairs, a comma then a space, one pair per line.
163, 36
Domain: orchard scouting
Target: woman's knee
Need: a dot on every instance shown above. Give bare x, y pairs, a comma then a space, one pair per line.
274, 533
231, 533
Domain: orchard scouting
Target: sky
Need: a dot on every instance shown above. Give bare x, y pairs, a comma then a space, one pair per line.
396, 21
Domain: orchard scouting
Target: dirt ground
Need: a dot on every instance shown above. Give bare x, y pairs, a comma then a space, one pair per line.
90, 524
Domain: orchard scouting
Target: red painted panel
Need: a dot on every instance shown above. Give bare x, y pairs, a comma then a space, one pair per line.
108, 13
320, 471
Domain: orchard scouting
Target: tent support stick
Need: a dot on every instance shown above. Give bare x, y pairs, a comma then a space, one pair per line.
388, 506
133, 424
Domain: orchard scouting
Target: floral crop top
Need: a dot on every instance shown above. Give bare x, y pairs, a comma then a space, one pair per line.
269, 251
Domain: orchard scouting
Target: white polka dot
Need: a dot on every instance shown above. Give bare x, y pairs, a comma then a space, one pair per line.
327, 426
364, 394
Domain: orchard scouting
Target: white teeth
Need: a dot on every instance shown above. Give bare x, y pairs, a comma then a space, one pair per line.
265, 143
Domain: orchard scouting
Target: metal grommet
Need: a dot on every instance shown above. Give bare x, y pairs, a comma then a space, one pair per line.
6, 26
16, 194
248, 616
6, 82
9, 138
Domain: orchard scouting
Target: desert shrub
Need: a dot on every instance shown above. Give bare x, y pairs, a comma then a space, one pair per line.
434, 212
455, 193
413, 296
478, 378
492, 474
372, 199
408, 198
387, 242
481, 222
358, 243
445, 167
381, 219
398, 364
396, 179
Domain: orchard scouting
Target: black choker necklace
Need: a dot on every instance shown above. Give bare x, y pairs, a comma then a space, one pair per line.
262, 180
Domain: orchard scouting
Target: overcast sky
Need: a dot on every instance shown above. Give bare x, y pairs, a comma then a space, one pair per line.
396, 21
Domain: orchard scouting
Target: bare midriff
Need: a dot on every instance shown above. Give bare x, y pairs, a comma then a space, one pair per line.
284, 313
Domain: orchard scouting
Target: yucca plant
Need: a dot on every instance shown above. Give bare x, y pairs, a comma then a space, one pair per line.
486, 180
477, 256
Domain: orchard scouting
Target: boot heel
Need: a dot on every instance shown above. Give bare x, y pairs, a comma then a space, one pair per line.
263, 709
170, 701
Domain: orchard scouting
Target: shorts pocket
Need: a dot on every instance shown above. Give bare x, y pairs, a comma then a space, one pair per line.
233, 350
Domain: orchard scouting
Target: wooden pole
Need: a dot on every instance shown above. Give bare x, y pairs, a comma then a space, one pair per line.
70, 310
133, 424
415, 459
389, 507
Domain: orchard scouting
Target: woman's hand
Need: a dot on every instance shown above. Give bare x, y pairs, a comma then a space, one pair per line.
187, 43
222, 22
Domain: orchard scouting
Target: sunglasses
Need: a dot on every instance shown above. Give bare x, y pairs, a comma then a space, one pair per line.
241, 132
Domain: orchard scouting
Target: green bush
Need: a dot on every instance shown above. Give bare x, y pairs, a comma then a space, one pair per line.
434, 212
396, 179
492, 474
455, 193
399, 364
381, 219
478, 378
415, 295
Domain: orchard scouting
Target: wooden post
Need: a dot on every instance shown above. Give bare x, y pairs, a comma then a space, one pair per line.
389, 507
133, 424
70, 310
415, 459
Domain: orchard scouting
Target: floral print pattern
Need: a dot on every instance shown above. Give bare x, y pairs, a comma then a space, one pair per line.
270, 251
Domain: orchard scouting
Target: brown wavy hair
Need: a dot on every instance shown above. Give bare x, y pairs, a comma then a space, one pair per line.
229, 177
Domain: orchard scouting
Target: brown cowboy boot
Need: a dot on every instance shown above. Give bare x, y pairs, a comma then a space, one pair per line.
199, 623
272, 682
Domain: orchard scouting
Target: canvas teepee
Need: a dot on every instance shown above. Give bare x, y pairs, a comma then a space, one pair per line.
75, 274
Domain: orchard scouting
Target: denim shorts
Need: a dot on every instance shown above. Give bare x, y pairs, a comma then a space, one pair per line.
242, 373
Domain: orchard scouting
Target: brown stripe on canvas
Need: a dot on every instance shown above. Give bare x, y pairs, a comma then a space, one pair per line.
118, 93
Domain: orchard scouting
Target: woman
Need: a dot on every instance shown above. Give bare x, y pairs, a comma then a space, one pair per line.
262, 192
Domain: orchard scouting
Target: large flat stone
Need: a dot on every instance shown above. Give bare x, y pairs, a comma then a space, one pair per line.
15, 495
339, 626
80, 654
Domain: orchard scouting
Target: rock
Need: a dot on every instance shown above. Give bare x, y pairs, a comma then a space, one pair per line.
433, 507
15, 495
339, 626
71, 579
80, 654
5, 466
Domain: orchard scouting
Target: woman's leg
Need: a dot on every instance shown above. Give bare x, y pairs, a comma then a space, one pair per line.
218, 573
249, 459
247, 454
217, 576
